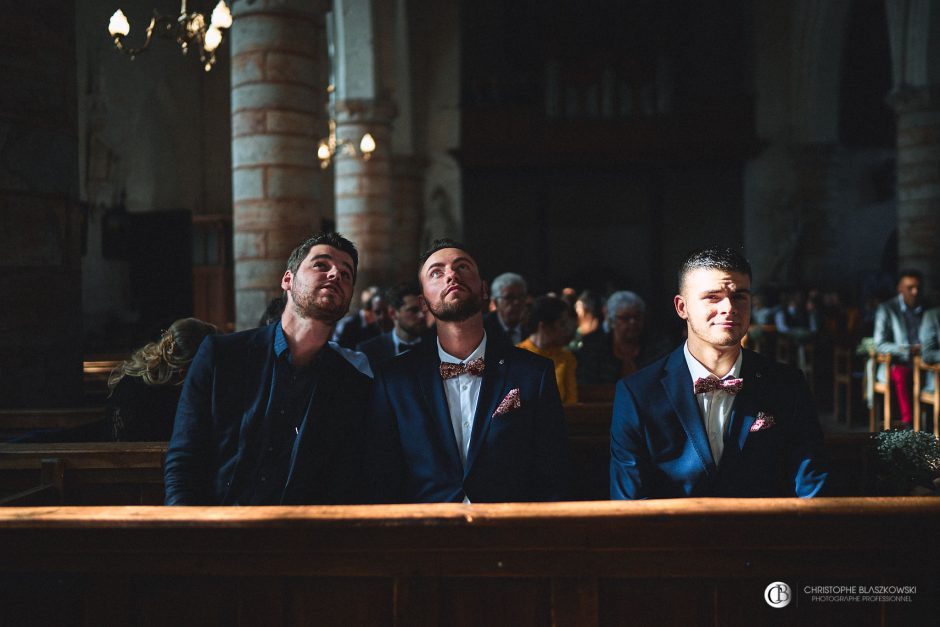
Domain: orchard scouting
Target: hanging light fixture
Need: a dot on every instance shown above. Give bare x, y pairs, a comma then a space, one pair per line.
189, 30
330, 146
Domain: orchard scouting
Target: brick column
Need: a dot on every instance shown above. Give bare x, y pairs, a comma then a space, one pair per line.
407, 215
918, 111
363, 189
40, 230
278, 93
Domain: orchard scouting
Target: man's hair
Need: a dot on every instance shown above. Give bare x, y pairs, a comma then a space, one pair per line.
335, 240
441, 244
505, 280
715, 258
396, 295
912, 273
591, 302
546, 309
618, 301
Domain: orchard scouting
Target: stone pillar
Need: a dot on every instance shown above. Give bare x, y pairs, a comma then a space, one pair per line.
918, 111
279, 85
40, 228
363, 189
407, 215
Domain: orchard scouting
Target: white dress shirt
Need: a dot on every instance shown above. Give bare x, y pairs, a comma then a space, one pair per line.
397, 342
715, 406
463, 394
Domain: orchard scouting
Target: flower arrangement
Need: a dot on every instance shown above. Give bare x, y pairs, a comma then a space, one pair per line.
908, 463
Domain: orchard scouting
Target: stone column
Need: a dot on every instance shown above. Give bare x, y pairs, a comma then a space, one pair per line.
279, 85
918, 111
40, 227
363, 189
407, 215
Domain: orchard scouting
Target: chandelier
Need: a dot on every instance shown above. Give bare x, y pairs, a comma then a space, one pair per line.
331, 146
189, 30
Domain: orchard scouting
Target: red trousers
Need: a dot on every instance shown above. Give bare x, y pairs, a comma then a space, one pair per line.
902, 376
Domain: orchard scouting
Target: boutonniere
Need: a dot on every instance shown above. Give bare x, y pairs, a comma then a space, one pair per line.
512, 401
763, 421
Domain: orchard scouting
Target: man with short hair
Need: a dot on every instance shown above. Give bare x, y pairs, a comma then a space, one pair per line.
405, 311
506, 325
275, 415
710, 418
897, 328
464, 418
360, 326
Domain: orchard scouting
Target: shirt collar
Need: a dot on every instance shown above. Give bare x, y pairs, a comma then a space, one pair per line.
446, 357
904, 306
397, 341
698, 371
280, 341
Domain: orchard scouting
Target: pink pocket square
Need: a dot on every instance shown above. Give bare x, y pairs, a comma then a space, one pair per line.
764, 421
512, 401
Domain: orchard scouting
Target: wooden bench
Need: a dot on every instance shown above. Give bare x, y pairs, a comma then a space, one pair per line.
84, 473
17, 422
672, 562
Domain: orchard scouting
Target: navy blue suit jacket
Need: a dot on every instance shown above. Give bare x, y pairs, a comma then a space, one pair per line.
224, 400
521, 455
659, 447
378, 349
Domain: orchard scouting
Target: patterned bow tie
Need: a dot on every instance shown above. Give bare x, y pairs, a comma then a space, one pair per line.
475, 367
711, 384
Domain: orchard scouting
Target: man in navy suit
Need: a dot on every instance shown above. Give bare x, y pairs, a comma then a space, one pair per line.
464, 419
712, 419
410, 328
275, 414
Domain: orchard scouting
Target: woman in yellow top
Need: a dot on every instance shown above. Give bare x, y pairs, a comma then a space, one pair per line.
553, 327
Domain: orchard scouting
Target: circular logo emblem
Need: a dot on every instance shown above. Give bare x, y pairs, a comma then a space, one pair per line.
777, 594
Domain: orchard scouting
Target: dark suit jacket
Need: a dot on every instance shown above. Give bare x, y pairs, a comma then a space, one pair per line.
352, 330
659, 447
378, 349
224, 399
495, 332
521, 455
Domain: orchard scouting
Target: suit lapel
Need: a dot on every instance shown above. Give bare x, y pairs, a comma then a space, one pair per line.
744, 410
677, 381
432, 394
494, 377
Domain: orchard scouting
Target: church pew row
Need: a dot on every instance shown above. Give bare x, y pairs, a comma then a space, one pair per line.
18, 422
678, 562
130, 473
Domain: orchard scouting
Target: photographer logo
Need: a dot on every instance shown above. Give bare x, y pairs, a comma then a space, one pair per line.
778, 594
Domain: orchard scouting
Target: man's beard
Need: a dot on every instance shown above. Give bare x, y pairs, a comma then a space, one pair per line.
457, 311
323, 308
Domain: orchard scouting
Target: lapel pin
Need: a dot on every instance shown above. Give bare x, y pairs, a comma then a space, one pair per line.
502, 361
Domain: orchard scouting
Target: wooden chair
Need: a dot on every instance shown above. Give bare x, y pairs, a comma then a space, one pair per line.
880, 387
929, 397
842, 380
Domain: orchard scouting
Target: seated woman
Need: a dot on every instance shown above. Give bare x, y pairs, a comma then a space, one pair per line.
553, 323
146, 388
606, 357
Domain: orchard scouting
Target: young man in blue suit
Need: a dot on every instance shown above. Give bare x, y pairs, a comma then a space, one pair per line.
712, 419
462, 418
410, 328
276, 415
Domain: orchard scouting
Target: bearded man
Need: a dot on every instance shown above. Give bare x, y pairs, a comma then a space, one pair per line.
463, 418
275, 415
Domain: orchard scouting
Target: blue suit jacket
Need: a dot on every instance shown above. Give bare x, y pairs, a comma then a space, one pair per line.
224, 400
659, 447
521, 455
378, 349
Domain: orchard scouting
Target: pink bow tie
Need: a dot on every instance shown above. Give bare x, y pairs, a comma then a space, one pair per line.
475, 367
711, 384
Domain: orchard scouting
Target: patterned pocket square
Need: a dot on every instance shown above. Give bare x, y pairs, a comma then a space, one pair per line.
512, 401
763, 421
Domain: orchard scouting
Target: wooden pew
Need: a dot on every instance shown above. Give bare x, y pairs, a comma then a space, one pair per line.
674, 562
16, 422
83, 473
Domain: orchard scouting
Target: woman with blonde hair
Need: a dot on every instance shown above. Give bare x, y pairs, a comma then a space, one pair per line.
145, 389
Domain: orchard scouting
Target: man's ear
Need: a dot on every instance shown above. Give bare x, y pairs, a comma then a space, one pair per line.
679, 302
423, 304
286, 280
